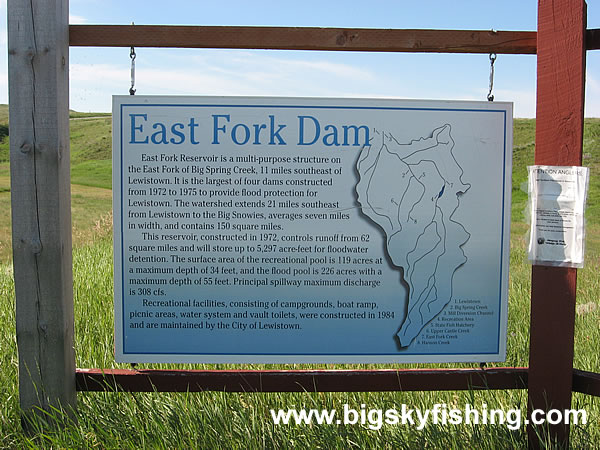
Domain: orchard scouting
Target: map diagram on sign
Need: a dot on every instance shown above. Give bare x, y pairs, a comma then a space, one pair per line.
412, 191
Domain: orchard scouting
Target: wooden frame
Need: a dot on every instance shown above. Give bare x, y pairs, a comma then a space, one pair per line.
39, 38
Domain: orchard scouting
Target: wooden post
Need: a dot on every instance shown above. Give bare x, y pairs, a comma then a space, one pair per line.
559, 140
38, 47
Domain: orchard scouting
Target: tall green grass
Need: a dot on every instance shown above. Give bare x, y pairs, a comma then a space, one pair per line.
221, 420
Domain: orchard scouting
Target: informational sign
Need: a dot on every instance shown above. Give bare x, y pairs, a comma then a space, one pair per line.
557, 197
290, 230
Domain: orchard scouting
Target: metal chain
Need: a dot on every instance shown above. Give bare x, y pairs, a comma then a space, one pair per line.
493, 57
132, 92
132, 56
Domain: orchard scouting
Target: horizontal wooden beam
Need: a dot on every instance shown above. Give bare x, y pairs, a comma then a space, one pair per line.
317, 380
301, 38
300, 380
592, 39
294, 38
586, 382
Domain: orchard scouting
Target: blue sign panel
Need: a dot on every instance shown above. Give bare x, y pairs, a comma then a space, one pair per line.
310, 230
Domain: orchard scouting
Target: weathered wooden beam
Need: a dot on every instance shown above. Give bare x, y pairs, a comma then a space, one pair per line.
586, 382
300, 380
38, 48
592, 39
94, 380
304, 38
559, 141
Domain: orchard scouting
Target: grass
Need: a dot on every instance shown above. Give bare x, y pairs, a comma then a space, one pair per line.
523, 156
91, 144
93, 173
220, 420
87, 115
91, 167
88, 205
91, 153
216, 420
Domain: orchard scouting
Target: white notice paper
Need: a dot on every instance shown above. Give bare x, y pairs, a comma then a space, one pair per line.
557, 196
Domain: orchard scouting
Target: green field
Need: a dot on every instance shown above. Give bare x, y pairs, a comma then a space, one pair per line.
220, 420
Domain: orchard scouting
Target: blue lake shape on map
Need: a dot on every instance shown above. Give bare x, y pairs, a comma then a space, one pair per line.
412, 191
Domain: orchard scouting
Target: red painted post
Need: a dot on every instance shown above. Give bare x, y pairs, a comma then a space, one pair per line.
559, 140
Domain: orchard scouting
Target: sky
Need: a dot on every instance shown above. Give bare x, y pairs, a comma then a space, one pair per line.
98, 73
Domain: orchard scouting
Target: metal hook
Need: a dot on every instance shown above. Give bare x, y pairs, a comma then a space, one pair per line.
132, 55
493, 58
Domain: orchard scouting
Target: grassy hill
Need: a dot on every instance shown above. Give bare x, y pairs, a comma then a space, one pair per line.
523, 152
91, 167
91, 198
91, 143
90, 147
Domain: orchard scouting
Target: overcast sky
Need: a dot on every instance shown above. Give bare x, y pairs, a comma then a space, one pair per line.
98, 73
